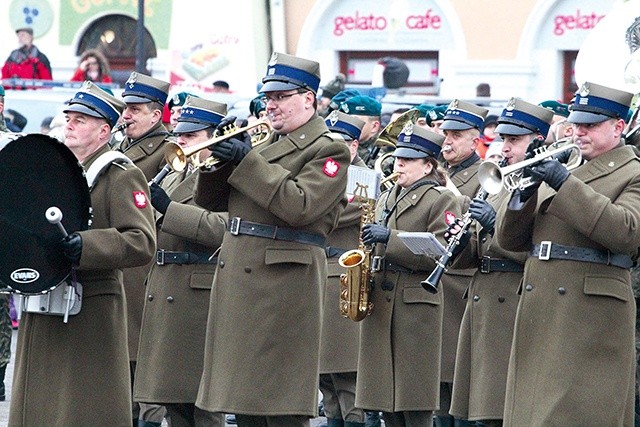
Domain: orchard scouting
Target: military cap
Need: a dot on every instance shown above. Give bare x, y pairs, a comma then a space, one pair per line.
287, 72
558, 108
415, 142
522, 118
141, 88
336, 85
95, 102
461, 115
1, 91
350, 127
361, 105
25, 29
342, 96
596, 103
257, 105
198, 113
179, 99
436, 113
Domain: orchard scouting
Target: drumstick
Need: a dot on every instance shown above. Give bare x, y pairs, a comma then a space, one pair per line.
54, 216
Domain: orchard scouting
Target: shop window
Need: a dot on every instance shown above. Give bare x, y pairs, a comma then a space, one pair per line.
115, 36
423, 69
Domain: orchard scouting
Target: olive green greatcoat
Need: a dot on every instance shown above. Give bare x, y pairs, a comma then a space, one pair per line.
77, 374
486, 332
340, 336
572, 360
266, 298
147, 152
455, 282
399, 355
171, 350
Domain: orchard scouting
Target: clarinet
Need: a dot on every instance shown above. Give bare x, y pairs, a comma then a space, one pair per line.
430, 284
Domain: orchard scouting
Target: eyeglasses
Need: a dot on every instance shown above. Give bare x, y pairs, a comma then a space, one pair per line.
281, 96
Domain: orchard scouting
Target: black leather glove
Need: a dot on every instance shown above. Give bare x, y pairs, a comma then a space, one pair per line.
160, 200
228, 123
483, 212
454, 230
550, 171
533, 147
526, 193
232, 149
72, 247
375, 233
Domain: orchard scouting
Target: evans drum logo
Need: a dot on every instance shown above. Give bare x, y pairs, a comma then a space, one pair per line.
25, 275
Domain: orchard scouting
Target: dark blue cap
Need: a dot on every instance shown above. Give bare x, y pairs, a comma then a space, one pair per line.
461, 115
596, 103
415, 142
95, 102
349, 126
522, 118
286, 72
141, 88
198, 113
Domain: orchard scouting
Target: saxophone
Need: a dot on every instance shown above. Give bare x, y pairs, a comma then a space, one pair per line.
355, 284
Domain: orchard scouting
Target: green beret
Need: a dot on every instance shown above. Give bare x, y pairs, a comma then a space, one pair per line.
342, 96
424, 109
557, 107
361, 105
257, 105
1, 91
179, 99
435, 114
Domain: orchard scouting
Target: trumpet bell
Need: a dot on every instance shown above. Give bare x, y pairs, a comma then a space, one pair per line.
490, 177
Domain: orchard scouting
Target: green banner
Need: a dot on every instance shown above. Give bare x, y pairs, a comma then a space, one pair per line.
76, 15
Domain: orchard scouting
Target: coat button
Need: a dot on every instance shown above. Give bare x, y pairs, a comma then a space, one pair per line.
500, 299
247, 269
388, 299
476, 298
169, 298
150, 297
562, 290
221, 263
387, 285
528, 287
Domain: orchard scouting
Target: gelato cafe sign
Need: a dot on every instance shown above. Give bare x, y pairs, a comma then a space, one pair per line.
368, 22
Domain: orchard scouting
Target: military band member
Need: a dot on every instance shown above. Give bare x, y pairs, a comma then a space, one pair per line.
369, 110
572, 360
174, 321
340, 335
285, 198
461, 126
486, 331
77, 373
145, 136
400, 342
175, 105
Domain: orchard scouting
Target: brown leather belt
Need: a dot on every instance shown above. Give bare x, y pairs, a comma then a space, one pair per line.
547, 250
488, 265
239, 226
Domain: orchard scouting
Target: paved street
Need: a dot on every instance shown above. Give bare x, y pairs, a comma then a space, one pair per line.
4, 406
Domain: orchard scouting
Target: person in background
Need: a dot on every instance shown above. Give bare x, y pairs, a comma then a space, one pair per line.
330, 90
26, 62
144, 141
560, 127
45, 125
3, 125
487, 135
340, 335
367, 109
15, 121
221, 86
174, 320
77, 373
573, 358
93, 67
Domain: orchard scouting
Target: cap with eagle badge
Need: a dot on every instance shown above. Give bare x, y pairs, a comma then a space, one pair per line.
96, 102
522, 118
198, 113
461, 115
350, 127
415, 142
595, 103
140, 89
178, 99
287, 72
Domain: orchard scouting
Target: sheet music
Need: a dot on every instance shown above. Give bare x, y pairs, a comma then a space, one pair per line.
366, 177
423, 243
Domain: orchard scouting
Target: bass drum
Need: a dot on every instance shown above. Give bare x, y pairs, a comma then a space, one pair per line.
38, 172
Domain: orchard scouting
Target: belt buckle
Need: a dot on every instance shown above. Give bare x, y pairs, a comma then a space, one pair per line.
234, 227
160, 257
376, 263
485, 265
545, 250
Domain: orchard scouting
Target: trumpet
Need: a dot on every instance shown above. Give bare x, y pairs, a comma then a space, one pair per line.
493, 177
178, 157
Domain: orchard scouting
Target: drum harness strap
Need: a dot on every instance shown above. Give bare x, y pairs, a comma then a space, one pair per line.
101, 164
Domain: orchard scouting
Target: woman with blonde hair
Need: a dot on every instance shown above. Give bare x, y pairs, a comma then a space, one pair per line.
94, 67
